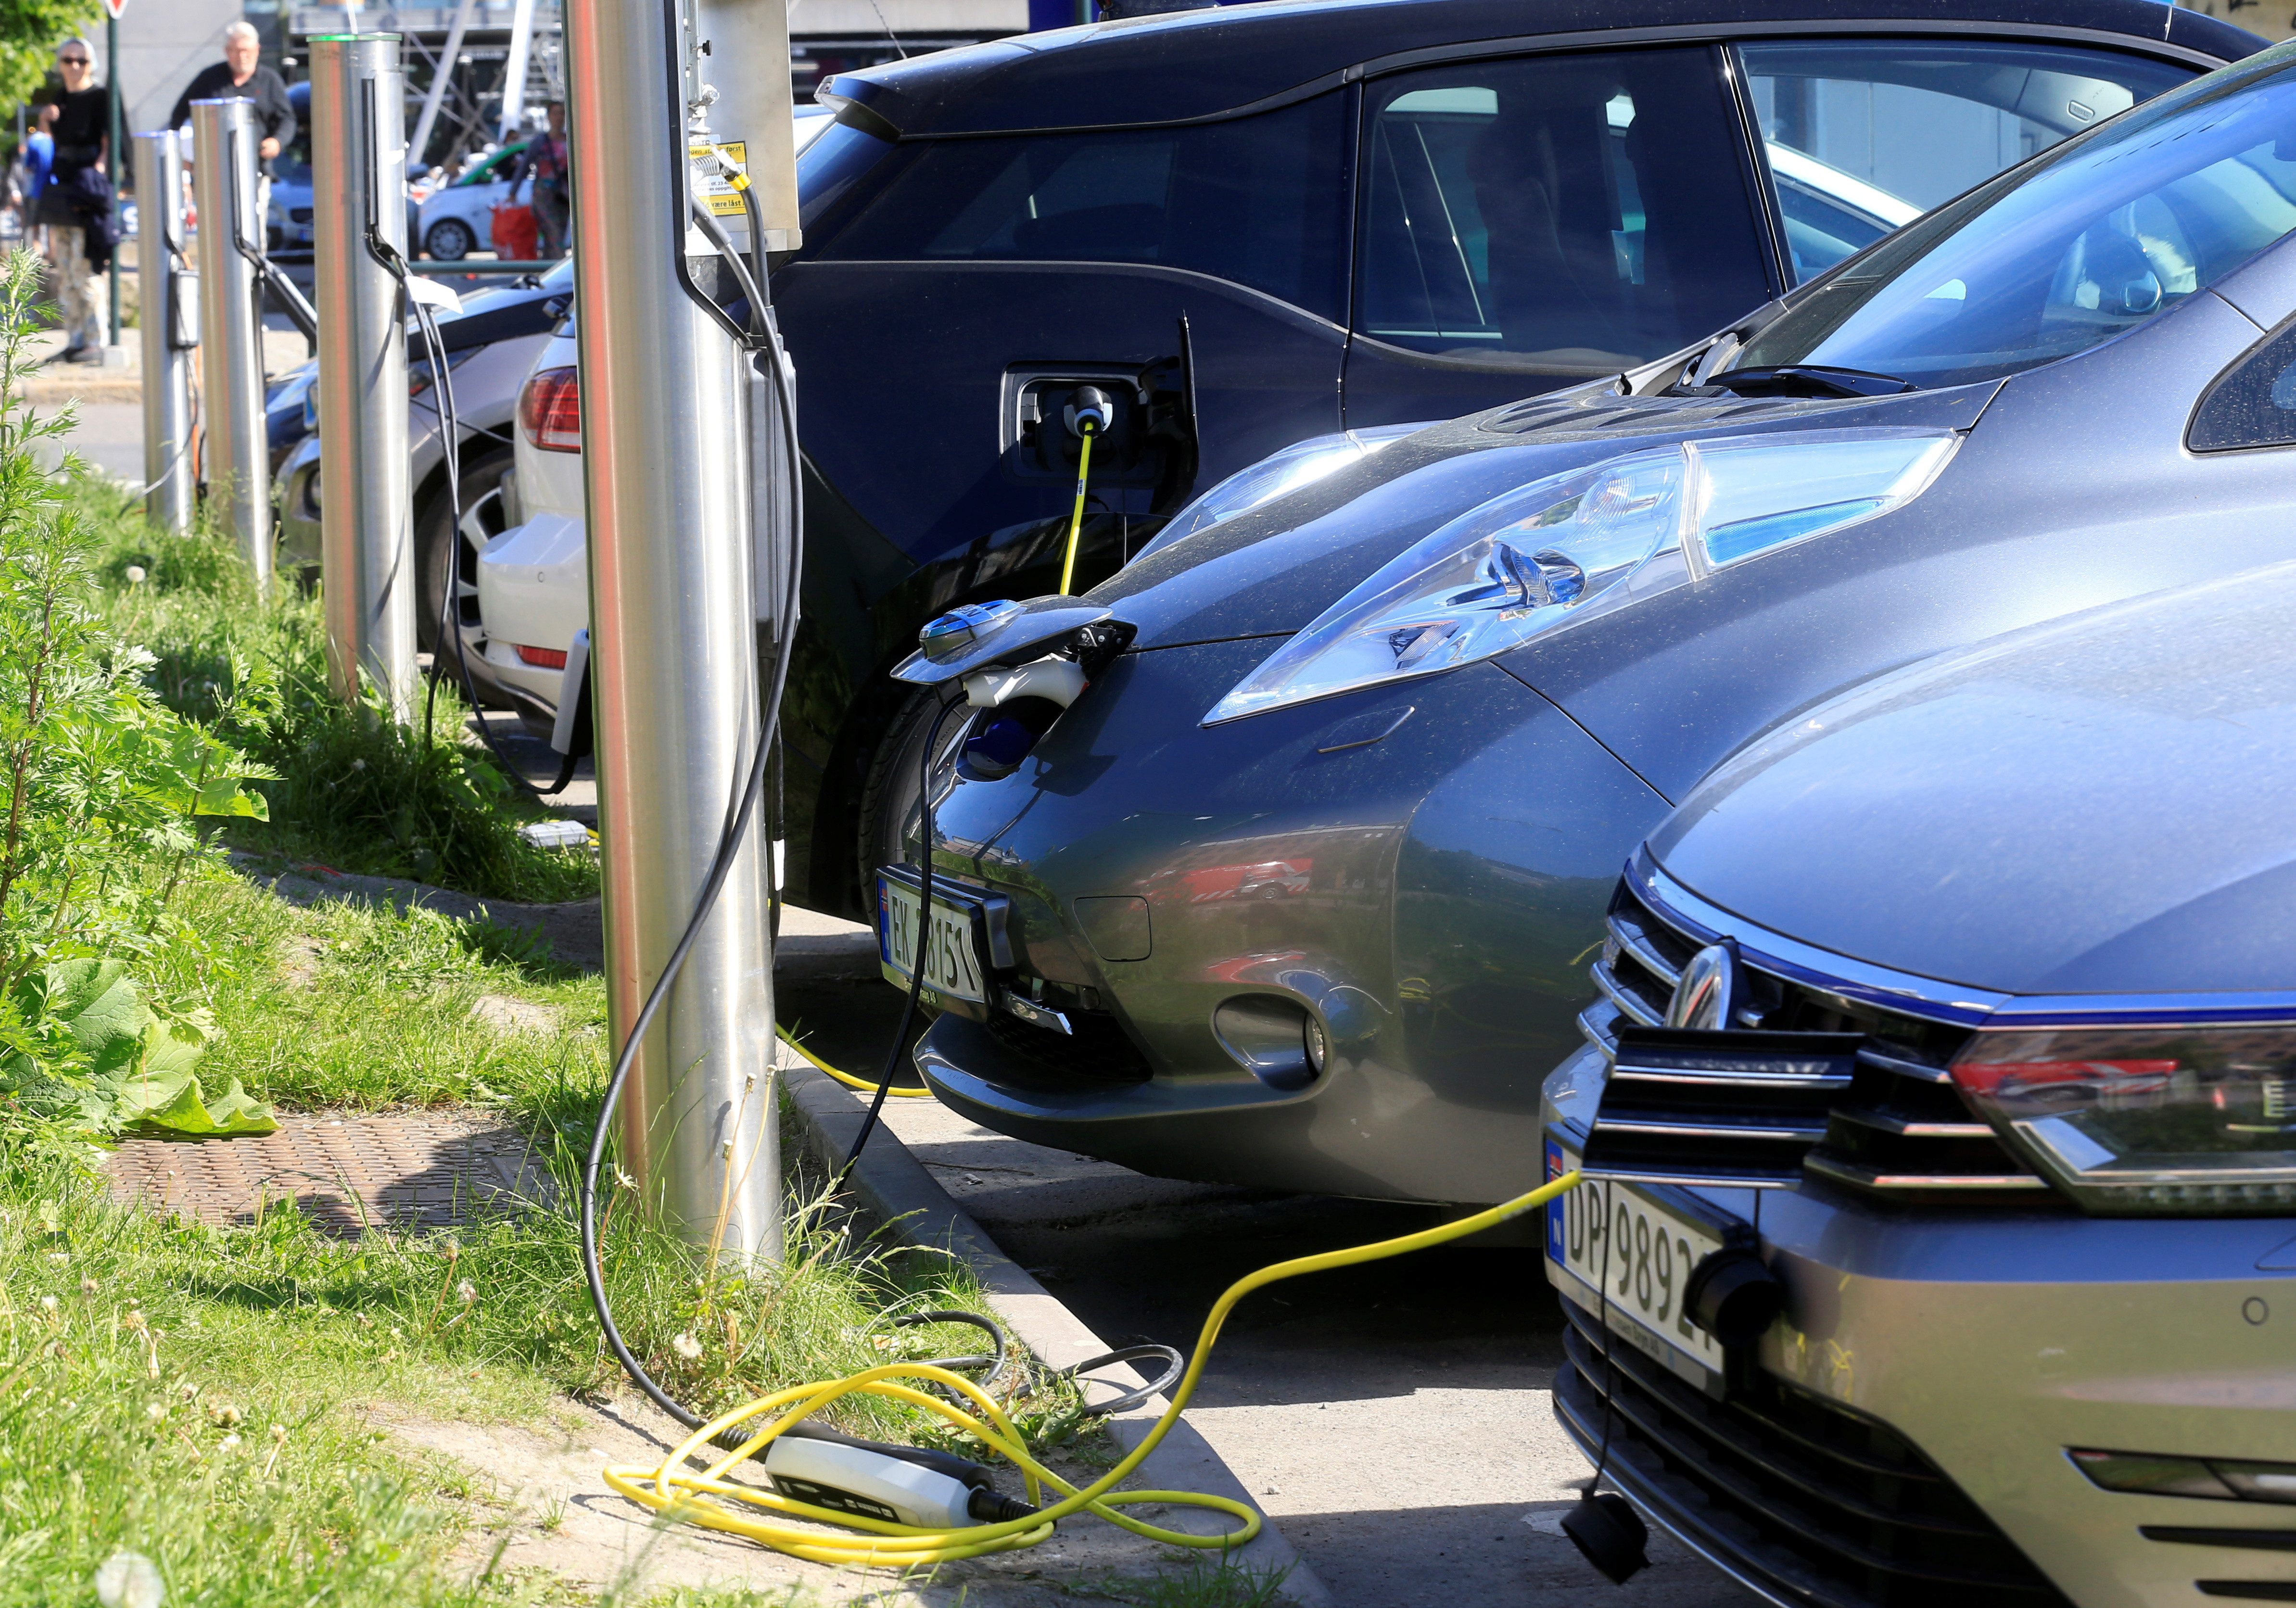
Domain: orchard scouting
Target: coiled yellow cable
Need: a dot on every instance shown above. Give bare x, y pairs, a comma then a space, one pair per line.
847, 1078
709, 1499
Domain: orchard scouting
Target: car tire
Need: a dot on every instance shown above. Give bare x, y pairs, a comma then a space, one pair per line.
450, 240
890, 794
443, 550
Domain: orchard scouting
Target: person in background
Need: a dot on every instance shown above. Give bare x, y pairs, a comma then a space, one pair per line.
240, 76
78, 124
29, 176
543, 163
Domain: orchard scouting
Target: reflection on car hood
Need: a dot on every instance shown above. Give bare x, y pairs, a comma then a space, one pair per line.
2091, 806
1271, 572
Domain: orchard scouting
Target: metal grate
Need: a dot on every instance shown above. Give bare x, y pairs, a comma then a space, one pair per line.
1098, 1048
1793, 1493
1888, 1121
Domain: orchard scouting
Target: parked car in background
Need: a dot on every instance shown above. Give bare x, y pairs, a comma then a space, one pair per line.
457, 218
1455, 683
532, 579
490, 345
1254, 225
288, 224
1989, 962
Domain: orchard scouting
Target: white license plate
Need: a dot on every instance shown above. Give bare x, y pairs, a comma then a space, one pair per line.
952, 960
1626, 1257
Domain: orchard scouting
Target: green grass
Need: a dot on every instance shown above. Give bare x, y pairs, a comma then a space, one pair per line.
356, 792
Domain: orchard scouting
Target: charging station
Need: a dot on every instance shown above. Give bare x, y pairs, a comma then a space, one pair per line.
224, 138
170, 331
667, 124
367, 522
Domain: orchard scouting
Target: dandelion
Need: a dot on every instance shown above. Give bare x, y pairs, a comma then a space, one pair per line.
129, 1580
358, 765
466, 1292
686, 1346
47, 1303
88, 1286
226, 1414
60, 1256
278, 1445
189, 1390
156, 1410
136, 574
228, 1443
623, 1180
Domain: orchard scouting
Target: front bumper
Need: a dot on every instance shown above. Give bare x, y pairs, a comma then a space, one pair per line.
1427, 897
1901, 1435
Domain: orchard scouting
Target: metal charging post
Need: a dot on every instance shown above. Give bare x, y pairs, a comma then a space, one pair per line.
170, 331
674, 666
224, 137
359, 163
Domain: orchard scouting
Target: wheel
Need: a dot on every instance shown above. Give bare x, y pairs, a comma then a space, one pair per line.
440, 547
450, 240
890, 796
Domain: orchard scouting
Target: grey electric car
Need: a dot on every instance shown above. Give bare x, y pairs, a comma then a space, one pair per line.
1300, 889
2004, 1119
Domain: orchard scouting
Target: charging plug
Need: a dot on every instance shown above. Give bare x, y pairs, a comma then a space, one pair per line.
1090, 410
1609, 1534
850, 1478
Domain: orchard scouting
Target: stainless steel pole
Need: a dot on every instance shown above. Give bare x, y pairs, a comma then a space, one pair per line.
673, 656
366, 536
224, 137
168, 334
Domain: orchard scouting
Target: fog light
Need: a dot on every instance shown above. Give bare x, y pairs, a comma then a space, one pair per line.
1270, 1038
1318, 1046
2217, 1479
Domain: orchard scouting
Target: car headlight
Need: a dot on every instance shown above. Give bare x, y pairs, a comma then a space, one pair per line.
2146, 1119
1302, 463
1529, 560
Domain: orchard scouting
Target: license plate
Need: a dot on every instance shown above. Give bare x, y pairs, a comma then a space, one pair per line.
1625, 1254
952, 955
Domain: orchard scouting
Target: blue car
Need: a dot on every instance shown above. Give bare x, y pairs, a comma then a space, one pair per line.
1940, 1244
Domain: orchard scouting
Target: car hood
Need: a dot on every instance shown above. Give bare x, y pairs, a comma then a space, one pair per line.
2091, 806
1271, 572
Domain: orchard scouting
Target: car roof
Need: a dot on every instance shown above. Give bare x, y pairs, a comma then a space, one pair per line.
1179, 66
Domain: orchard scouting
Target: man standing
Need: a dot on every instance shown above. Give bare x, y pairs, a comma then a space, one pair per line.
241, 76
77, 199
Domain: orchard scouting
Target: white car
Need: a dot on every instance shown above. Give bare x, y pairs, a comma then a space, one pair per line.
458, 217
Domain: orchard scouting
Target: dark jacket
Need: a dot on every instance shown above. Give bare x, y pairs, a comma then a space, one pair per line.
274, 114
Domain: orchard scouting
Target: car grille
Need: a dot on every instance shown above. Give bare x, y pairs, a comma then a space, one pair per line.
1096, 1049
1806, 1083
1818, 1504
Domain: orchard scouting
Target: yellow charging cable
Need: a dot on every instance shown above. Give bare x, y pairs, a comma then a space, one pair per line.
710, 1500
847, 1078
1076, 519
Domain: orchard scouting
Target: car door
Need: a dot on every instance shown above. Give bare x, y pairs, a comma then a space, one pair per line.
1532, 222
1195, 274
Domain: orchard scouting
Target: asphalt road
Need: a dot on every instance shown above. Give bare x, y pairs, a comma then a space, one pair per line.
1393, 1418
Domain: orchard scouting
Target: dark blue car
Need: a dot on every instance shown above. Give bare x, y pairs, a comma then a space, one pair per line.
1252, 225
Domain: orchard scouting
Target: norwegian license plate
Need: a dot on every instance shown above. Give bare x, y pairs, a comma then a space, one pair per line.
949, 941
1625, 1253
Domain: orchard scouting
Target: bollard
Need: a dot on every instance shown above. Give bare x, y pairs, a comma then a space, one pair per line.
171, 331
224, 138
673, 636
358, 166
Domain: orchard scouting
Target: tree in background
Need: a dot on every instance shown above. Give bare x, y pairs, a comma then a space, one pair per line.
29, 32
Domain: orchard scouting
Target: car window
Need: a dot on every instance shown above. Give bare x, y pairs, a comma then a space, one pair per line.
1580, 210
1260, 200
1863, 135
2253, 404
2105, 231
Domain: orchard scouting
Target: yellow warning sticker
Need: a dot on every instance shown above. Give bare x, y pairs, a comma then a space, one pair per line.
717, 188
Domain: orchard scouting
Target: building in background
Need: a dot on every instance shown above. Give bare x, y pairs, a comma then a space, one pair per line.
162, 46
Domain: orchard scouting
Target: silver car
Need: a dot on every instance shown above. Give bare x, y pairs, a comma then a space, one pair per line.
1981, 1083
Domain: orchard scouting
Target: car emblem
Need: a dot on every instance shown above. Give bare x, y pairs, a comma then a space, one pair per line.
1710, 982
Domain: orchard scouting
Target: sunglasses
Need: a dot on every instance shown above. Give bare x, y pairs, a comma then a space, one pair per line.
72, 61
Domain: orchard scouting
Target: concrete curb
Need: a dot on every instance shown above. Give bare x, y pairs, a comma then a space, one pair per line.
891, 1185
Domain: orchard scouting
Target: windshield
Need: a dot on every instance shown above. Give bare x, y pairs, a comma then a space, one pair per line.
2057, 256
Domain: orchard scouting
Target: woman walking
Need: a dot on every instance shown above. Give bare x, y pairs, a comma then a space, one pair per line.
76, 202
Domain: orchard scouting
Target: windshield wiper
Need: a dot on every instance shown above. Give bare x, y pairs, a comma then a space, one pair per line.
1808, 380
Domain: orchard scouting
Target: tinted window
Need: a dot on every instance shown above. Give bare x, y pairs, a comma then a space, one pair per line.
2253, 404
828, 167
1863, 135
1260, 201
2094, 238
1583, 211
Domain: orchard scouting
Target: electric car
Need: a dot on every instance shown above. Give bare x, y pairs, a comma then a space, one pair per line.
1453, 684
490, 345
1252, 225
1982, 1083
